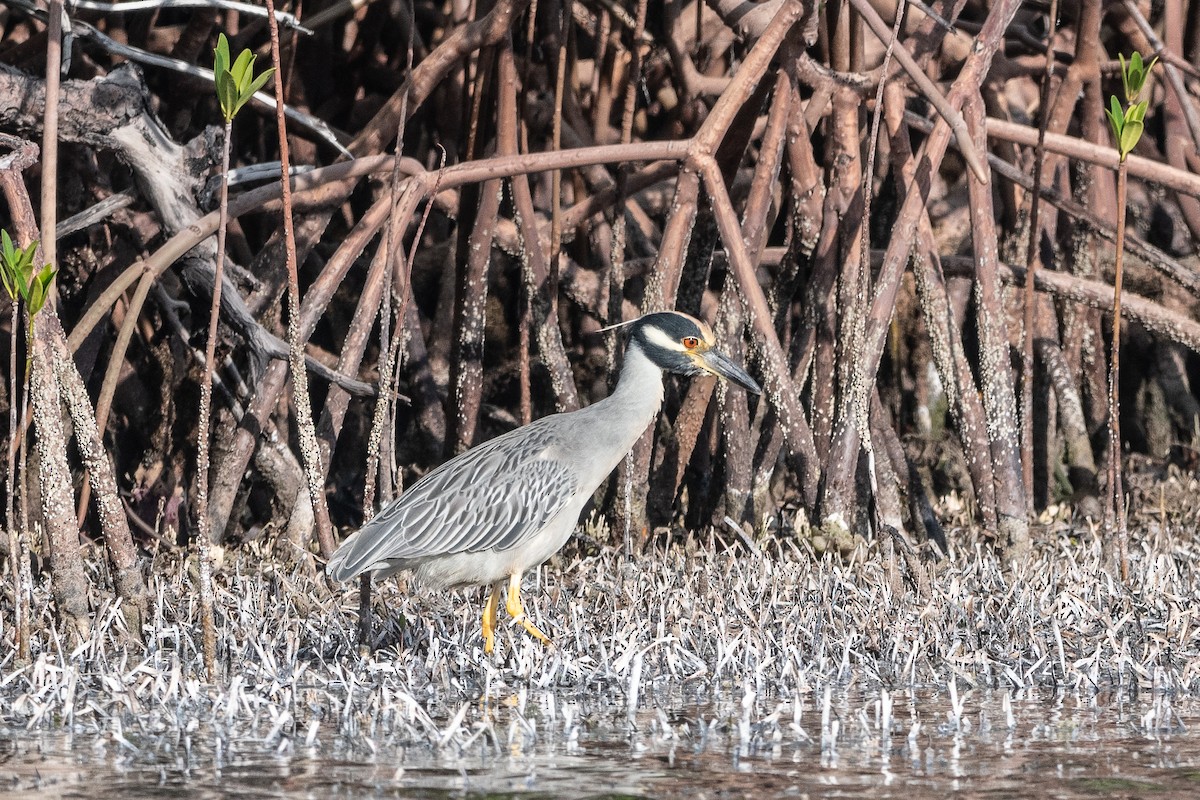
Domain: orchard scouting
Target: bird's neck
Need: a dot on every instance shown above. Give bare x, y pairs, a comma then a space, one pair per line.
631, 407
641, 382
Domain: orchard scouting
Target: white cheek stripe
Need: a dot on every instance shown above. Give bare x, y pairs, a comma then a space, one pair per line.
657, 337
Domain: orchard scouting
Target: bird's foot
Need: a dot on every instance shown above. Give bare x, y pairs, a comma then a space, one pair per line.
512, 605
524, 621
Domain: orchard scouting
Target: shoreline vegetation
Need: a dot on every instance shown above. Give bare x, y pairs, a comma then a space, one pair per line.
702, 613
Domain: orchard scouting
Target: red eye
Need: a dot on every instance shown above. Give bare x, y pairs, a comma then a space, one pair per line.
690, 342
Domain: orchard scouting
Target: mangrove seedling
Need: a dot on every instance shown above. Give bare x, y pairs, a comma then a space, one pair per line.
1128, 122
235, 86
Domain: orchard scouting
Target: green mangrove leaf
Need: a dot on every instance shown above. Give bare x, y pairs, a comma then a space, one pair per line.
1134, 74
16, 266
39, 289
255, 85
226, 95
1130, 136
242, 67
1137, 112
26, 261
35, 298
7, 248
221, 55
1116, 118
10, 283
236, 83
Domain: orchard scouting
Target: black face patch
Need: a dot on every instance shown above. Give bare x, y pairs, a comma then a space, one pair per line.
661, 335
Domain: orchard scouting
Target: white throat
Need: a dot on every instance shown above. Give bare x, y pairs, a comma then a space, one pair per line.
631, 408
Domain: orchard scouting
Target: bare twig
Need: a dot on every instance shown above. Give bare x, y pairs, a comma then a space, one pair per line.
85, 31
1032, 261
1165, 322
1154, 257
249, 9
54, 34
1115, 508
54, 475
127, 576
1099, 155
204, 539
560, 86
780, 390
928, 90
844, 450
309, 449
995, 371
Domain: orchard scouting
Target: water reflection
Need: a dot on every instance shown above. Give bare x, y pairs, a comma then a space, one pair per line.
828, 743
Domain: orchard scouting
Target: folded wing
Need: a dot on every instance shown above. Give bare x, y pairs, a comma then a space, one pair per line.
493, 497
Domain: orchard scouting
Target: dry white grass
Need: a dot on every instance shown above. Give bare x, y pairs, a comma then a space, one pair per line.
756, 644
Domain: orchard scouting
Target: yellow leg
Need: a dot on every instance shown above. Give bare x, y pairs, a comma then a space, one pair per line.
517, 611
489, 617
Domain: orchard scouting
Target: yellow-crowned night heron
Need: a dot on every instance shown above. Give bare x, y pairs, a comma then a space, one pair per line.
493, 512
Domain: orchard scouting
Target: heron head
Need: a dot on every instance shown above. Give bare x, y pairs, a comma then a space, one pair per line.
680, 343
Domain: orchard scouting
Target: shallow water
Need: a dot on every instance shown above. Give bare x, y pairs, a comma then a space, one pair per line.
853, 744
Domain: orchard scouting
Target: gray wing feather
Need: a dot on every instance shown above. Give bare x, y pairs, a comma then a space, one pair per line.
492, 497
